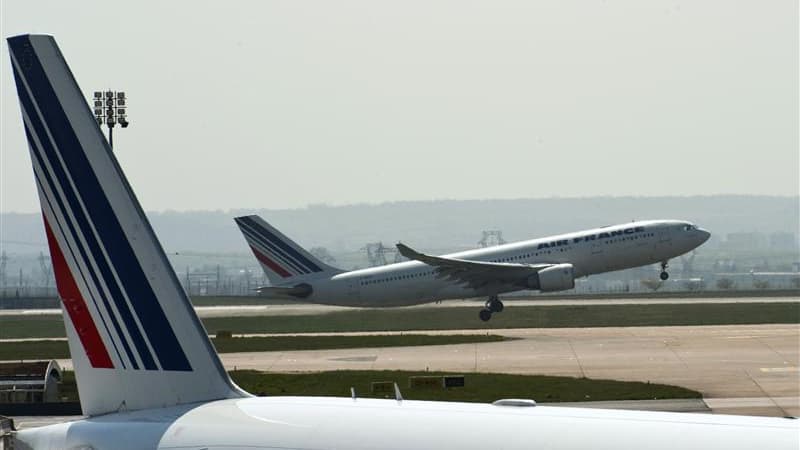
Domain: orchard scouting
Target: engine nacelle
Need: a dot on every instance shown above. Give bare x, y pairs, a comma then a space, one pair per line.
559, 277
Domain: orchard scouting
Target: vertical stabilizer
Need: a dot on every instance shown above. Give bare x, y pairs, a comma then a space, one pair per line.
284, 262
134, 337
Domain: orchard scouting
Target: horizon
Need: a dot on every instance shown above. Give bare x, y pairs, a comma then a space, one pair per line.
287, 105
393, 202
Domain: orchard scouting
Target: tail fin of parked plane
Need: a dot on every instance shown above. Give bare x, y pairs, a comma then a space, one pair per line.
281, 258
135, 341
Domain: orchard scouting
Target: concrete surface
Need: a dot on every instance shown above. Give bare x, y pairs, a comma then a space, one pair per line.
305, 308
741, 369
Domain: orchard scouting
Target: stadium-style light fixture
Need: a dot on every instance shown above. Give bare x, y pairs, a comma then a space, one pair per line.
110, 108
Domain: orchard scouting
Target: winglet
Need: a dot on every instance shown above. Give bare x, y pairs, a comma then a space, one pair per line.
408, 252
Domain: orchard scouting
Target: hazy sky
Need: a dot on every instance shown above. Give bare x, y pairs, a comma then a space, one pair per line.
274, 104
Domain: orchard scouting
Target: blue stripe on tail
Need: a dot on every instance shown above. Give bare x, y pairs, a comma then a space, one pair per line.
111, 236
272, 250
39, 154
265, 233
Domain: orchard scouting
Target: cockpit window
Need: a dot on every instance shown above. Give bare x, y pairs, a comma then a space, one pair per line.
689, 227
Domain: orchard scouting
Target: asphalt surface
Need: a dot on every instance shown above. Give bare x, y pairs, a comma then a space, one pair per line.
739, 369
304, 308
743, 369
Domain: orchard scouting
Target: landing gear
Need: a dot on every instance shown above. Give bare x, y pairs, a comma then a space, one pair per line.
493, 305
664, 275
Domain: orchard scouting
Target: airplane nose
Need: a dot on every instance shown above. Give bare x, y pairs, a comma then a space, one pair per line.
703, 235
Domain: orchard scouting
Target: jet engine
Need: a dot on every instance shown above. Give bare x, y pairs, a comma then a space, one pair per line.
559, 277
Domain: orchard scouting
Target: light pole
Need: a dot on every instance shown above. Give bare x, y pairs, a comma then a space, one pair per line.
110, 108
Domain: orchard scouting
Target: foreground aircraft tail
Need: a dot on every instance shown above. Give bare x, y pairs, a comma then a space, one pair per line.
281, 258
135, 340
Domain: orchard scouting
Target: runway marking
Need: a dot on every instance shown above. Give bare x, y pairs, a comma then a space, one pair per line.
577, 360
669, 344
780, 369
355, 358
761, 388
745, 402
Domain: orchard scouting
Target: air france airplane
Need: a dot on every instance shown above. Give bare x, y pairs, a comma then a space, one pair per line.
547, 264
148, 375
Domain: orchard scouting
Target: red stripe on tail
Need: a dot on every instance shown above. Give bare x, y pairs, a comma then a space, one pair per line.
76, 307
269, 263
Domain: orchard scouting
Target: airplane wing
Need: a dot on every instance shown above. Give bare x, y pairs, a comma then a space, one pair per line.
475, 274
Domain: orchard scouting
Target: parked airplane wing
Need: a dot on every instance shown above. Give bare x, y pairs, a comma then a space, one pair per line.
475, 274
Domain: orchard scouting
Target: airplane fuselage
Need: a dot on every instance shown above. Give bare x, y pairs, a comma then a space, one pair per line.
364, 423
590, 252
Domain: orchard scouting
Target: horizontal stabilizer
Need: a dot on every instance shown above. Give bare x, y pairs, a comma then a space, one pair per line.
302, 290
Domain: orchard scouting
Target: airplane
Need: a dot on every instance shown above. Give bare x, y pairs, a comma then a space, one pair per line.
148, 375
547, 264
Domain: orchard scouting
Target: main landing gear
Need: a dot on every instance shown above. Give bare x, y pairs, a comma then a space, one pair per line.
493, 305
664, 275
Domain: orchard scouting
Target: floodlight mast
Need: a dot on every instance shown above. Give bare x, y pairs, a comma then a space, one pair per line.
110, 107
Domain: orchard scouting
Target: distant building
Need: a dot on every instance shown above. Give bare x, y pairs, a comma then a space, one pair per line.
30, 382
782, 240
745, 241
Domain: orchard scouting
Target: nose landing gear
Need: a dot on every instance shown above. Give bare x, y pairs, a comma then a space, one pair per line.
664, 275
493, 305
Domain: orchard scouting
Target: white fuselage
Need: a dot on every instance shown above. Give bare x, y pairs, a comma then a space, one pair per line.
344, 423
590, 252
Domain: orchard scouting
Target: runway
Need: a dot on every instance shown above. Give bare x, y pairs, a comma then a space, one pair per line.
739, 369
305, 308
747, 369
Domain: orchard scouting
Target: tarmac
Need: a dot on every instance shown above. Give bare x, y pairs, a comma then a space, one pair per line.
307, 308
740, 369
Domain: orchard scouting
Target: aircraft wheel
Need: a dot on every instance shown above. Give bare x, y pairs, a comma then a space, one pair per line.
485, 315
496, 306
664, 276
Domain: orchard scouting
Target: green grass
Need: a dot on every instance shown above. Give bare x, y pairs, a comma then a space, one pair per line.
38, 326
404, 319
59, 350
556, 316
237, 300
479, 387
13, 351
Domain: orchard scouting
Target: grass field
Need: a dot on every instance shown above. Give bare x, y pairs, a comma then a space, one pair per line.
237, 300
479, 387
59, 350
404, 319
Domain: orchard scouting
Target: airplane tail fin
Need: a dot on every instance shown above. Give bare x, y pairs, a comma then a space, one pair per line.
135, 340
281, 258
